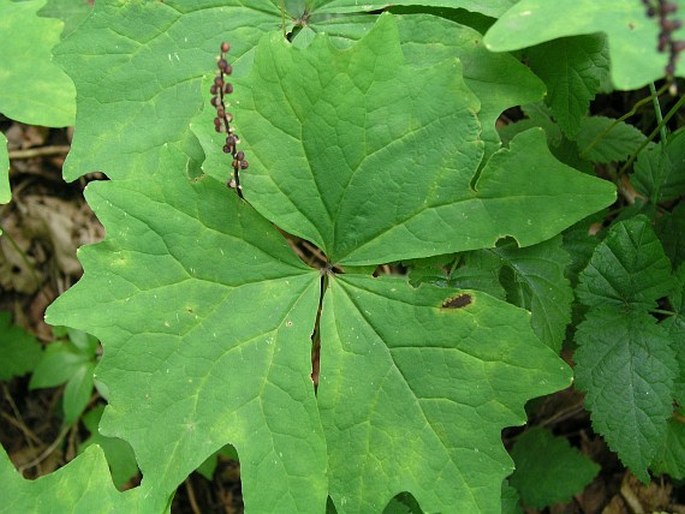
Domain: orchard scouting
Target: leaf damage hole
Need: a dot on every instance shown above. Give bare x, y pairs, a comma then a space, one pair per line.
457, 302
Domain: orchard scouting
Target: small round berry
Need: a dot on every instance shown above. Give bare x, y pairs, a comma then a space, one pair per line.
213, 89
222, 64
668, 8
214, 101
218, 81
663, 42
225, 47
244, 165
220, 112
228, 88
678, 46
228, 69
240, 156
227, 149
670, 25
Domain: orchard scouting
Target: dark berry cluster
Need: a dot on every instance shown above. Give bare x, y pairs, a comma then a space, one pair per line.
665, 10
222, 122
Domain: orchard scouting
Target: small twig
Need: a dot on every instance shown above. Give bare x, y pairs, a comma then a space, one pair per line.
191, 497
315, 252
47, 452
18, 420
295, 248
40, 151
563, 414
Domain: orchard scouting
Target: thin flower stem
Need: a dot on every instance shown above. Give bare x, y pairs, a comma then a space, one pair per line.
653, 134
657, 113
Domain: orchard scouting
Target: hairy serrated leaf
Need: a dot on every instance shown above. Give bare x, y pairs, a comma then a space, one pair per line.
601, 139
540, 285
548, 470
670, 228
670, 456
573, 68
626, 367
628, 268
659, 169
675, 325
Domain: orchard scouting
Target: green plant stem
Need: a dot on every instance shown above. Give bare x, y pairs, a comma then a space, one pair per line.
652, 97
657, 112
653, 134
663, 311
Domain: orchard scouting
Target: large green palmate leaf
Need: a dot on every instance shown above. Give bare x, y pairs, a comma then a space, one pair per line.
633, 37
34, 89
223, 370
206, 316
434, 387
366, 155
214, 346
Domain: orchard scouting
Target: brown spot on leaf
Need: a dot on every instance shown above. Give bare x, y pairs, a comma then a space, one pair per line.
457, 302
